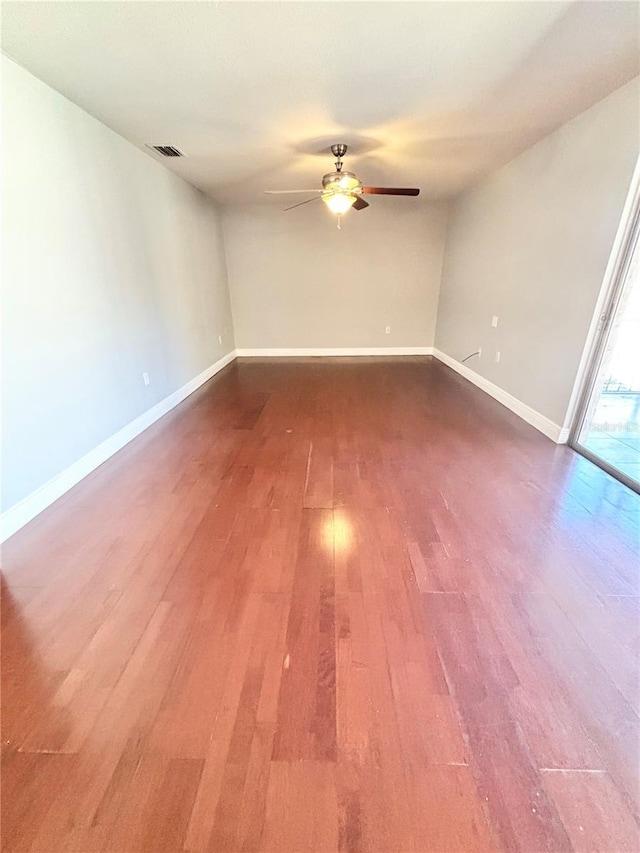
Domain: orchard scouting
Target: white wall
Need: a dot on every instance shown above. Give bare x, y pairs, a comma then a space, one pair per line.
296, 281
531, 245
112, 266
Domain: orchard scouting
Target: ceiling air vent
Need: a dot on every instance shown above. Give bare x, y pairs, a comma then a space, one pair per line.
166, 150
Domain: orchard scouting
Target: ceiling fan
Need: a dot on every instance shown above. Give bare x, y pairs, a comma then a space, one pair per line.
342, 190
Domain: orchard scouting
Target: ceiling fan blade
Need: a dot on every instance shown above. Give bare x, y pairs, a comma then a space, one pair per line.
289, 192
360, 204
390, 190
300, 203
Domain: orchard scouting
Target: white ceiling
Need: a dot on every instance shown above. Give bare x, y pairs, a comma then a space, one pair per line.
428, 94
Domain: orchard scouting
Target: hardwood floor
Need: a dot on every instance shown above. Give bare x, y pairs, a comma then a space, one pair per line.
349, 605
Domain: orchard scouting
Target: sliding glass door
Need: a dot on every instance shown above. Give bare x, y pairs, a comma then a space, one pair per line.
608, 425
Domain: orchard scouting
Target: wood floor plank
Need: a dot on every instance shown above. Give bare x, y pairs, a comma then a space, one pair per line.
343, 605
306, 789
305, 728
502, 762
593, 812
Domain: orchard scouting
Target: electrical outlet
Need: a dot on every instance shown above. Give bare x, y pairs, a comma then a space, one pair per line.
145, 378
494, 321
387, 330
497, 355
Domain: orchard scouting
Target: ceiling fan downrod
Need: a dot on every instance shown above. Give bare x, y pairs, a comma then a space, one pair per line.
338, 151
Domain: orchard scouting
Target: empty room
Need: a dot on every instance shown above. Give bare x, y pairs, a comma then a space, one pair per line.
321, 426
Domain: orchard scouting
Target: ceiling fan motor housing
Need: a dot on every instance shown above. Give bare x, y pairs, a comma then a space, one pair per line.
340, 181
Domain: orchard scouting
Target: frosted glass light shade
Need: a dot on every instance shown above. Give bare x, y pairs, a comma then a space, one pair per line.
338, 202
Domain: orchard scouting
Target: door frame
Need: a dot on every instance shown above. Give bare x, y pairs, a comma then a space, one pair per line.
626, 239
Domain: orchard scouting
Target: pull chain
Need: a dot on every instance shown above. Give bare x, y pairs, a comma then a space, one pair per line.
339, 217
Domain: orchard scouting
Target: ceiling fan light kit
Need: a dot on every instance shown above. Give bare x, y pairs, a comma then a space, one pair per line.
342, 190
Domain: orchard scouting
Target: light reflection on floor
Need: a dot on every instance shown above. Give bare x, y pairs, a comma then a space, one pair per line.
591, 493
614, 434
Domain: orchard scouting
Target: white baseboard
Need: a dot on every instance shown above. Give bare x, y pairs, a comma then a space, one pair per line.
277, 352
28, 508
531, 416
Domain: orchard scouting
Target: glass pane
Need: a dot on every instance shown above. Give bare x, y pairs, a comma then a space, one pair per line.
611, 428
